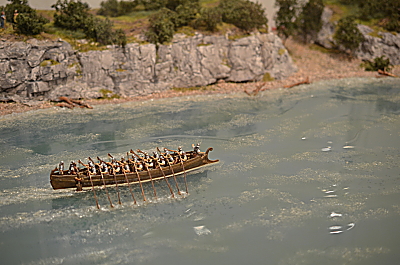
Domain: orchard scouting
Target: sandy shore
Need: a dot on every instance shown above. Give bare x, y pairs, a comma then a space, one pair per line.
313, 65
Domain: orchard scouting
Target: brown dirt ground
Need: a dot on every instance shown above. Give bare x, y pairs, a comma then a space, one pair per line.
313, 65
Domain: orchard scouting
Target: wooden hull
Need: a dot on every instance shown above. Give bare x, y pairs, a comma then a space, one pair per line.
70, 181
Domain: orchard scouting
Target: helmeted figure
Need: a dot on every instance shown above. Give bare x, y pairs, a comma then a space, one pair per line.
92, 167
162, 161
72, 168
182, 153
103, 167
61, 167
196, 149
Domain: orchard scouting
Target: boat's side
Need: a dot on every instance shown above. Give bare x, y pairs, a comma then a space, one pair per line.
72, 181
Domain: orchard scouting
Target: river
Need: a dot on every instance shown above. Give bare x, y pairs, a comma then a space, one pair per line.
308, 175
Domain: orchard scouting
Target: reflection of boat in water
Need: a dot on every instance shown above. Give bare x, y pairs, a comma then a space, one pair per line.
133, 174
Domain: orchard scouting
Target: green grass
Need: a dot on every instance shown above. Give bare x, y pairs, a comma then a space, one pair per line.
50, 62
323, 49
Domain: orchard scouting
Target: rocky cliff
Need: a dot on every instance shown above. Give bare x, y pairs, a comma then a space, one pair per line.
376, 44
47, 70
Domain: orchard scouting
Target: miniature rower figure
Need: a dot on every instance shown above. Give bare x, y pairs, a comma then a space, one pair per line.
196, 149
72, 168
162, 161
182, 153
147, 159
168, 156
116, 165
138, 165
103, 167
61, 167
92, 168
125, 165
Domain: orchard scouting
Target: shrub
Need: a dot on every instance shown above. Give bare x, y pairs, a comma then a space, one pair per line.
174, 4
388, 11
379, 63
73, 15
244, 14
162, 26
309, 21
153, 4
185, 13
347, 34
209, 19
70, 14
115, 8
30, 23
21, 5
285, 17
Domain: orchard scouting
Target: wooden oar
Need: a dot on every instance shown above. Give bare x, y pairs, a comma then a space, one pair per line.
91, 182
104, 183
138, 176
169, 186
184, 171
173, 174
115, 179
148, 172
127, 181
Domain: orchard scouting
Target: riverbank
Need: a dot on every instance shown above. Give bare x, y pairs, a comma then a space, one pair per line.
313, 65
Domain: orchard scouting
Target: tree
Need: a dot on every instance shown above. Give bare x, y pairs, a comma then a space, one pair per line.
347, 34
309, 21
28, 22
185, 13
70, 14
162, 26
173, 4
388, 11
153, 4
209, 19
285, 18
74, 16
21, 5
244, 14
115, 8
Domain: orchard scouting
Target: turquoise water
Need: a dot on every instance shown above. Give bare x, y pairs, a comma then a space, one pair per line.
308, 175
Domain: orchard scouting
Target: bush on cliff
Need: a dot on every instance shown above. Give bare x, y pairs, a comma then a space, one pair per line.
162, 26
115, 8
28, 22
379, 63
70, 14
209, 19
387, 11
244, 14
309, 22
347, 34
73, 15
285, 17
153, 4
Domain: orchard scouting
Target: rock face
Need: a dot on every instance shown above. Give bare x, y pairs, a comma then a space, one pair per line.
380, 44
48, 70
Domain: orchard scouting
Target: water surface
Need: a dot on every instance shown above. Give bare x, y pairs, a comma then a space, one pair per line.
308, 175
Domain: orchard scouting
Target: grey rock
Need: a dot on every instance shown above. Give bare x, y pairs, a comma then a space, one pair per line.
385, 44
48, 70
325, 35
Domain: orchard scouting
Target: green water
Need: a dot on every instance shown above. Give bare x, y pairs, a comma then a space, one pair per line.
285, 191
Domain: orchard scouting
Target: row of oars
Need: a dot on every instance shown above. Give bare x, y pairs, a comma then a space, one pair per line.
138, 176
